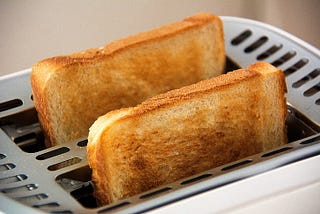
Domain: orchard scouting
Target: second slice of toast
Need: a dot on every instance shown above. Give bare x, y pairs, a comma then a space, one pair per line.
187, 130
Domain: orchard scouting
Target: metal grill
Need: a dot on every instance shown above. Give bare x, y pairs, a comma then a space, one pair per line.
58, 179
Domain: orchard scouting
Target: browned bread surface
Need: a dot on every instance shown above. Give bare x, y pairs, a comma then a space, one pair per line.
71, 91
187, 130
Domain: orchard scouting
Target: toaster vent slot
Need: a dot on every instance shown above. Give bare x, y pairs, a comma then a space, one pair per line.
269, 154
156, 192
10, 104
2, 156
53, 153
317, 102
48, 205
312, 91
20, 189
272, 50
13, 179
307, 78
31, 199
82, 143
241, 37
256, 44
236, 165
198, 178
296, 66
286, 57
63, 164
7, 166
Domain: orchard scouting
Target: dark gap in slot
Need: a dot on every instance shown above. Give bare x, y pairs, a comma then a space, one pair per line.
230, 65
83, 143
298, 126
156, 192
48, 205
2, 156
195, 179
317, 102
62, 211
13, 179
84, 195
24, 128
284, 58
25, 137
276, 152
31, 97
53, 153
122, 204
63, 164
236, 165
241, 37
10, 104
312, 91
307, 78
296, 66
273, 49
311, 140
256, 44
7, 166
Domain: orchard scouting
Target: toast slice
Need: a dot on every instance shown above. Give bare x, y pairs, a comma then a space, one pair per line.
187, 130
70, 92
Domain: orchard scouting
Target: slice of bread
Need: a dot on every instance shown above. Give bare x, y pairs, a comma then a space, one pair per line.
70, 92
187, 130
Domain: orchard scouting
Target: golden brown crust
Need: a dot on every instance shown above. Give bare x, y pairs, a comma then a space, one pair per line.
156, 34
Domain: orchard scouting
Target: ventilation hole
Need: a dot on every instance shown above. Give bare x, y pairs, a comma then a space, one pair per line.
236, 165
307, 78
311, 91
7, 166
53, 153
276, 152
24, 138
242, 37
48, 205
296, 66
284, 58
317, 102
20, 189
269, 52
312, 140
2, 156
63, 164
31, 97
13, 179
195, 179
31, 198
148, 195
114, 207
83, 143
84, 195
256, 44
10, 104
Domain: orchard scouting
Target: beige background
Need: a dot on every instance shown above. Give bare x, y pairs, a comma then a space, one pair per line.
35, 29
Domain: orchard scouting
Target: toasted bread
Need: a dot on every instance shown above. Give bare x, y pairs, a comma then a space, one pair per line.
70, 92
187, 130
